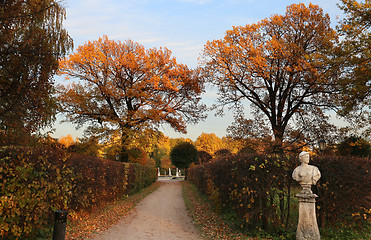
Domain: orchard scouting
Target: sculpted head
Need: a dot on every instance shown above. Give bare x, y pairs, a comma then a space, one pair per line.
304, 157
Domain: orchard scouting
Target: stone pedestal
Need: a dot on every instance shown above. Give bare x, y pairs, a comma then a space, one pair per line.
307, 225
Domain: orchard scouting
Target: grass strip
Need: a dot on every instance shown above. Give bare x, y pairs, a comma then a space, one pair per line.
209, 223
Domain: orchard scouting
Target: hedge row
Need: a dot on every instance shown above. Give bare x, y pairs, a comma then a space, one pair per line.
35, 182
260, 188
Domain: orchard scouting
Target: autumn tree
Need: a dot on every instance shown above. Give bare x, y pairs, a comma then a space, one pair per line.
66, 140
183, 155
254, 135
354, 146
281, 65
208, 142
86, 145
166, 163
354, 56
32, 39
123, 87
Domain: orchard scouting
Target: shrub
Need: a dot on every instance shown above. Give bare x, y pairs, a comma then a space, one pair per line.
255, 187
31, 188
258, 188
35, 182
222, 153
204, 157
344, 189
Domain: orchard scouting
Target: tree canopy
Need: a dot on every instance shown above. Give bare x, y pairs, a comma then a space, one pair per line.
354, 146
281, 65
183, 154
354, 56
32, 39
123, 87
209, 142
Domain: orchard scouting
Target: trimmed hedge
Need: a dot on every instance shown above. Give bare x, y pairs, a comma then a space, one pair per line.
259, 188
35, 182
344, 189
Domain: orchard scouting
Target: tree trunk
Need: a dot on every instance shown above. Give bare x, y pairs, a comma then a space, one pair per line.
278, 139
124, 156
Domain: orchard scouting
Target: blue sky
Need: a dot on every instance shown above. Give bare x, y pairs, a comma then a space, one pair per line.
183, 26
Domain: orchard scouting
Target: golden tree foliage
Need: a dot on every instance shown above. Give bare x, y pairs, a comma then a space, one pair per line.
122, 86
282, 65
209, 142
66, 140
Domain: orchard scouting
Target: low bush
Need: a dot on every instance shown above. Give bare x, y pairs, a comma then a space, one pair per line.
255, 187
344, 190
260, 189
37, 181
31, 188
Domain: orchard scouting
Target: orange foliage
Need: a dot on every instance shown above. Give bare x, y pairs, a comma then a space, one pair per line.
282, 65
208, 142
66, 140
166, 163
124, 86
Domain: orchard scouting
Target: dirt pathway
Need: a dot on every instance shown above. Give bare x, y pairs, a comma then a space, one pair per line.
161, 215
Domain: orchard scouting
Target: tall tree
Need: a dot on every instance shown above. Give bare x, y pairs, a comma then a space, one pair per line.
354, 54
280, 64
67, 141
354, 146
32, 39
209, 142
123, 87
183, 155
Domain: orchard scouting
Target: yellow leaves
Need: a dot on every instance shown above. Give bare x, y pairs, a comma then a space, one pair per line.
66, 140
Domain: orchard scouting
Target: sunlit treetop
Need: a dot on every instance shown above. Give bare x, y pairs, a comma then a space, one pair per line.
281, 65
123, 86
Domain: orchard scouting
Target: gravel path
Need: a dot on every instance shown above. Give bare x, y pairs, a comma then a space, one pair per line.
161, 215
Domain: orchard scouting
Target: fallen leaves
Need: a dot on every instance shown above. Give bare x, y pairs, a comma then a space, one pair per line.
209, 224
85, 224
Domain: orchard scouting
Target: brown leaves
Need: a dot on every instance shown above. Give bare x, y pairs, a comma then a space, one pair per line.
85, 223
209, 224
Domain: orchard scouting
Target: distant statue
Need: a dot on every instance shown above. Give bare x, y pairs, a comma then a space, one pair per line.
306, 174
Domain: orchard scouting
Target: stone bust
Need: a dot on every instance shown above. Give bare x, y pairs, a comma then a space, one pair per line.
305, 174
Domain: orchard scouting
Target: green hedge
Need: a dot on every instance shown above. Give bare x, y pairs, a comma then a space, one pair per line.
260, 188
34, 182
